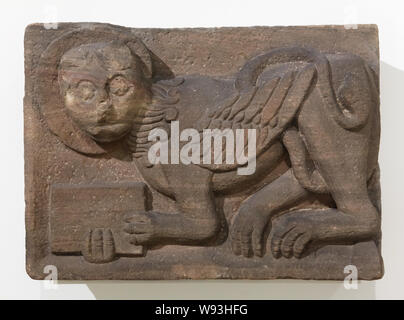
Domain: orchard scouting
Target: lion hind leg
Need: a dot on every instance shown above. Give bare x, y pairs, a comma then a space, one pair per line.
303, 167
341, 157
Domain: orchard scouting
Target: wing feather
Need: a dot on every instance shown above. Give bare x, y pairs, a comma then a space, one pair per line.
267, 107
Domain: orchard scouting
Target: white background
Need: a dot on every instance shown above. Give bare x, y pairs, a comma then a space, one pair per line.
15, 15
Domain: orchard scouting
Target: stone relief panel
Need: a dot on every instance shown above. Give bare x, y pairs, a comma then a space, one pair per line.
242, 153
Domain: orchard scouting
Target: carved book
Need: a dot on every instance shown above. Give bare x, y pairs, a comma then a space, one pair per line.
226, 153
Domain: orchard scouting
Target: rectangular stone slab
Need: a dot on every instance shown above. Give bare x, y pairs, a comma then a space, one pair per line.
73, 207
74, 185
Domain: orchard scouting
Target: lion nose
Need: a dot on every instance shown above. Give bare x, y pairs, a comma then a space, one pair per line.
103, 96
104, 107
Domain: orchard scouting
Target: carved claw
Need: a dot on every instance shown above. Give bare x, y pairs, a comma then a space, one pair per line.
291, 237
99, 246
248, 232
141, 227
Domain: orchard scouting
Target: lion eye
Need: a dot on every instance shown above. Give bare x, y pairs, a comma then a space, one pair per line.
86, 90
119, 85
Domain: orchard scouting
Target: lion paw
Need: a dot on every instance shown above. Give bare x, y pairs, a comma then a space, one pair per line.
291, 237
248, 233
142, 227
99, 246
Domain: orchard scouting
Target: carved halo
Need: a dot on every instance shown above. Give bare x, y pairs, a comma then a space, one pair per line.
47, 89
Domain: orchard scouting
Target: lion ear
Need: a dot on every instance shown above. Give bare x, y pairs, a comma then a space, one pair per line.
138, 48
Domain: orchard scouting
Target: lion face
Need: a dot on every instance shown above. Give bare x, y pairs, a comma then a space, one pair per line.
103, 89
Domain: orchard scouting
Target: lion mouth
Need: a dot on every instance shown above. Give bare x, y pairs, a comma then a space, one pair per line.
108, 132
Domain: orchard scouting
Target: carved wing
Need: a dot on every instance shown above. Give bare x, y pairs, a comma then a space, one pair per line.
267, 106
